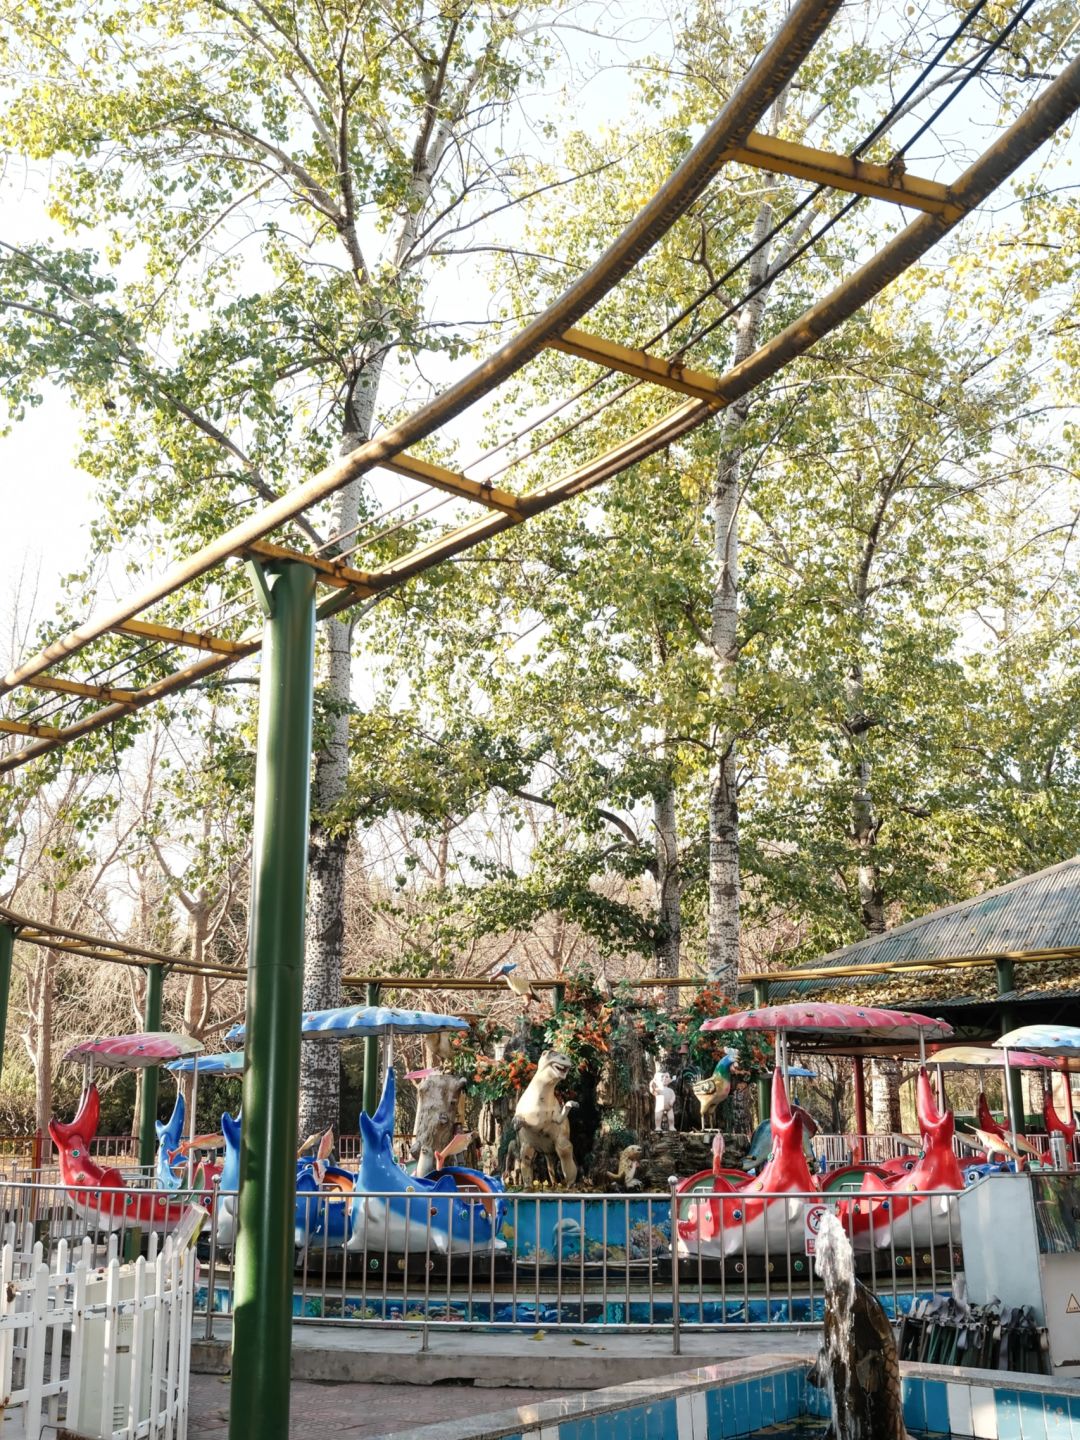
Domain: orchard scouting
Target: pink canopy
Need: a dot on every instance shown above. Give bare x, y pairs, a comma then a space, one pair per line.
819, 1021
135, 1052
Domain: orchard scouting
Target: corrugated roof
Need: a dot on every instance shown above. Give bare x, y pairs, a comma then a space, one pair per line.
1038, 912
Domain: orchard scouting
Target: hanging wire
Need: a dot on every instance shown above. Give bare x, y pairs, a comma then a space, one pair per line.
53, 706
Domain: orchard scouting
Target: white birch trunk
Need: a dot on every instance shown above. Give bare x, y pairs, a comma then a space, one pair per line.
668, 883
328, 844
722, 944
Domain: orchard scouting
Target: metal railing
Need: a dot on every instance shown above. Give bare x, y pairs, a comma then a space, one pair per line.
841, 1150
551, 1260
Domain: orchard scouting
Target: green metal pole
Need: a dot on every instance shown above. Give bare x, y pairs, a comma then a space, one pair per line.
371, 1061
262, 1322
558, 996
764, 1089
148, 1109
1006, 985
7, 949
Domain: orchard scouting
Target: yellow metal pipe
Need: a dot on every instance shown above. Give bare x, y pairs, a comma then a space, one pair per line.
78, 687
192, 639
452, 481
612, 356
778, 62
843, 172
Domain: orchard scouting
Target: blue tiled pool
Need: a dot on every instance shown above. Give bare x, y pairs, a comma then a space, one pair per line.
771, 1397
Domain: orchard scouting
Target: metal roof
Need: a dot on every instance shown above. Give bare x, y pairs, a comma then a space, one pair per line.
1037, 912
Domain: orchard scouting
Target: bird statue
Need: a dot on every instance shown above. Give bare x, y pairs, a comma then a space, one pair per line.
711, 1092
519, 984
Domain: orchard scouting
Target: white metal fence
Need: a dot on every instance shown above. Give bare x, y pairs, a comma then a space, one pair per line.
93, 1345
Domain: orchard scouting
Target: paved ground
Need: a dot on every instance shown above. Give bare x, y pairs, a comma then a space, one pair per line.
319, 1409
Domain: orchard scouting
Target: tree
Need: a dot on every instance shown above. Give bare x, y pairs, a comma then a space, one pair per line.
270, 185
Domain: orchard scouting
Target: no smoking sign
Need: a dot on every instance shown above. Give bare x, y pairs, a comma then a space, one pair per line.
812, 1225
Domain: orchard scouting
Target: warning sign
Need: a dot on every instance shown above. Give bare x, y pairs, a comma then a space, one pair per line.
1073, 1307
811, 1226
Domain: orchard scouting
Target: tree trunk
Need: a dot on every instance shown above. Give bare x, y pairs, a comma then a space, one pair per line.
668, 882
722, 944
885, 1096
42, 1056
328, 844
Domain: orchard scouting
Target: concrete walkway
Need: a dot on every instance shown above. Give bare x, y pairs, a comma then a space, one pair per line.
373, 1382
345, 1355
362, 1412
369, 1383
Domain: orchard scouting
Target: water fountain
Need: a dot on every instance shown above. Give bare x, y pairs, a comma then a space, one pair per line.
858, 1364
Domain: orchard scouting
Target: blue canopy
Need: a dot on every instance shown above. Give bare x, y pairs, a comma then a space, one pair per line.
349, 1021
1042, 1039
794, 1072
229, 1062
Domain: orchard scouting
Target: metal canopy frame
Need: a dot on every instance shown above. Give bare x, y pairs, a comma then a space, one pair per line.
287, 595
730, 139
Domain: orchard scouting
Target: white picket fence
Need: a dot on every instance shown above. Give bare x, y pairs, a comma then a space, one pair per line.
93, 1350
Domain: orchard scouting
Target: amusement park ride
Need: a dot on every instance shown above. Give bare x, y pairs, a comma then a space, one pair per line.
902, 1203
286, 580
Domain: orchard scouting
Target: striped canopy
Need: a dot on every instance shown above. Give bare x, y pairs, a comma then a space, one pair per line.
229, 1062
349, 1021
820, 1021
135, 1052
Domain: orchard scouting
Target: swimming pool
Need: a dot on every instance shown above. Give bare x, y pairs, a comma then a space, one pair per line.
771, 1397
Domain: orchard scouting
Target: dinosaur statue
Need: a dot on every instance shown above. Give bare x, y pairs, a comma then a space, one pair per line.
625, 1177
858, 1364
542, 1121
437, 1117
660, 1089
711, 1092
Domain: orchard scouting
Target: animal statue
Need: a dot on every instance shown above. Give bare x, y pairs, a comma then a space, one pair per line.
449, 1211
625, 1177
711, 1092
519, 985
437, 1117
858, 1363
168, 1165
664, 1096
542, 1120
985, 1119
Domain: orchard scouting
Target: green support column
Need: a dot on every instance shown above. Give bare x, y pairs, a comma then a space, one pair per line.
262, 1323
7, 949
1006, 985
148, 1109
558, 995
764, 1089
371, 1061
